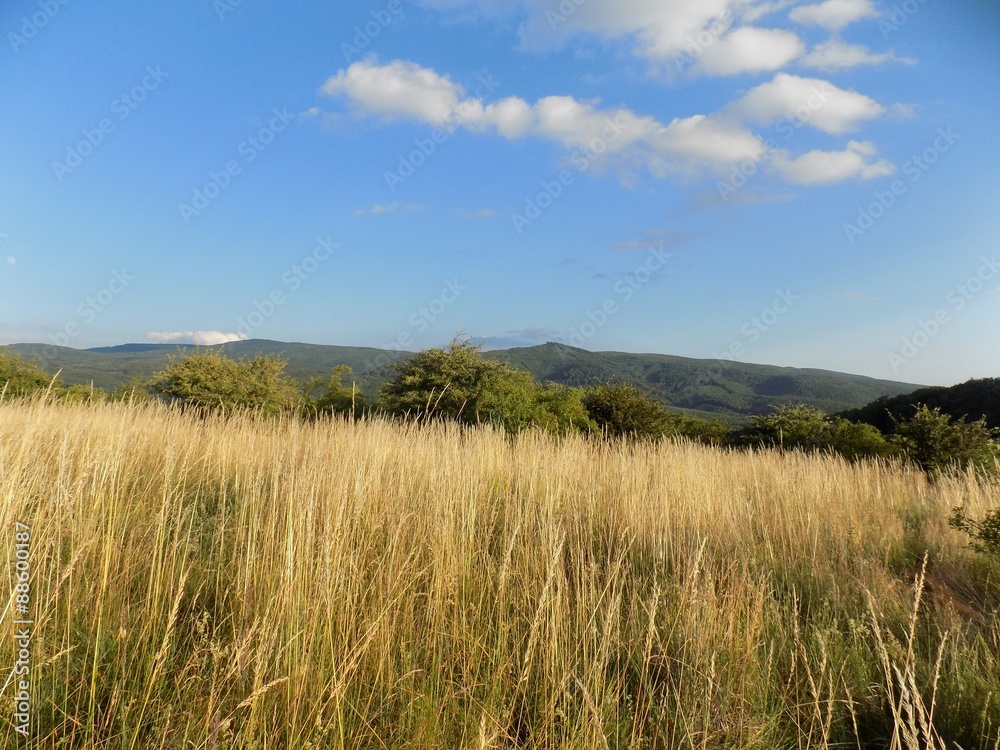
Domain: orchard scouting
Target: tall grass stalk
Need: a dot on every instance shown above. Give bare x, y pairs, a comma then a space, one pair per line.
249, 583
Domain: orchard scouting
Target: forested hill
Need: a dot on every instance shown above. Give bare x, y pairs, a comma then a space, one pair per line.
713, 388
973, 400
702, 386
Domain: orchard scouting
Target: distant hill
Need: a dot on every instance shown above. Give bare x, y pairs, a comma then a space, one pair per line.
712, 388
730, 391
973, 400
110, 367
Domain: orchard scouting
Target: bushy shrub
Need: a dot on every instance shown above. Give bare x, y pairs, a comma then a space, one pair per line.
700, 430
455, 382
938, 443
855, 440
805, 428
337, 397
560, 408
20, 378
211, 381
135, 390
626, 410
798, 426
458, 383
985, 533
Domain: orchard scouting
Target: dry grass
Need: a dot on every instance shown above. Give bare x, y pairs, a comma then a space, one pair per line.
248, 584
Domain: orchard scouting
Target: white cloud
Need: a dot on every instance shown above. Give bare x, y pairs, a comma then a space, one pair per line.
512, 117
397, 90
387, 208
199, 338
834, 15
749, 50
702, 141
858, 161
571, 122
824, 106
620, 138
11, 260
656, 31
858, 297
758, 11
836, 55
481, 214
660, 238
719, 36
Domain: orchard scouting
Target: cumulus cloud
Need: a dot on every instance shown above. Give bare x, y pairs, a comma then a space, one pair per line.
749, 50
657, 31
620, 138
198, 338
834, 15
824, 106
837, 55
720, 37
397, 90
571, 122
858, 161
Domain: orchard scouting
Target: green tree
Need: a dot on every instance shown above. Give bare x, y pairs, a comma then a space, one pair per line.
809, 429
798, 426
453, 382
700, 430
855, 440
560, 409
626, 410
937, 443
458, 383
20, 378
337, 397
211, 381
136, 390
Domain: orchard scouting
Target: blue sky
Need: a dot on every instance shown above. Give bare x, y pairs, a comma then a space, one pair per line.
810, 184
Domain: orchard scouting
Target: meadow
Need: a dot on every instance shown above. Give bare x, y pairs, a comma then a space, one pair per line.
233, 582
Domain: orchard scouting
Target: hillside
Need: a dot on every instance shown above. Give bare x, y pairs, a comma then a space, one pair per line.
710, 387
110, 367
973, 400
729, 391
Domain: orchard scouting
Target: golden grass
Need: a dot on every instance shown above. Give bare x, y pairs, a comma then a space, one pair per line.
277, 584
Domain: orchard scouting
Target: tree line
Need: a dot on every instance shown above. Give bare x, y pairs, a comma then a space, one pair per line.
459, 384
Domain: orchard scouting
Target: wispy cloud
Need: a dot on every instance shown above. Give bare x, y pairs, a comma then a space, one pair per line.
858, 297
387, 208
198, 338
481, 214
834, 54
530, 336
659, 238
834, 15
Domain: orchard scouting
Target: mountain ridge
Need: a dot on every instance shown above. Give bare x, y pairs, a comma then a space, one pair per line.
722, 389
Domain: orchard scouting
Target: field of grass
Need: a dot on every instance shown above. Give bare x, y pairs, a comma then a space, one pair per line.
248, 584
